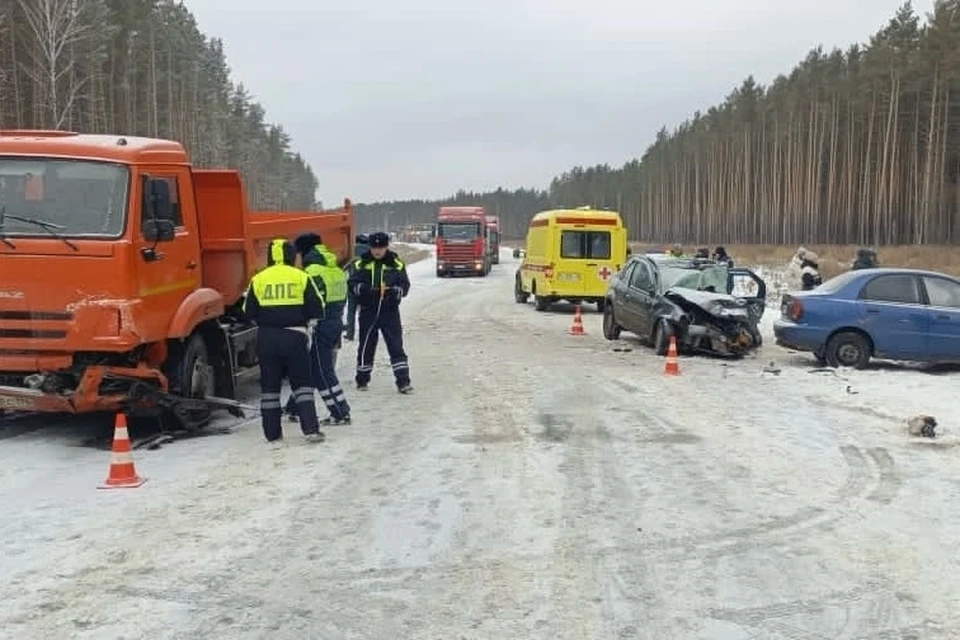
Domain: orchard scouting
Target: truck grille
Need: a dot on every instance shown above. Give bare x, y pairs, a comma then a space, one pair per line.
19, 325
457, 253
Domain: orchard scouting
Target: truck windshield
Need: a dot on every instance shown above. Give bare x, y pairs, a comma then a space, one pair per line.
458, 230
77, 198
593, 245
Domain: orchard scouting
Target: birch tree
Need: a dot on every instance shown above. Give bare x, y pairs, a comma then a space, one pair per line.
56, 27
142, 67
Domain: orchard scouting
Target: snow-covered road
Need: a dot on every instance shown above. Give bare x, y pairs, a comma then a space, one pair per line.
537, 485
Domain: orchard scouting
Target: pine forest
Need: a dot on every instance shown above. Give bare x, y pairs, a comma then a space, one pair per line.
142, 67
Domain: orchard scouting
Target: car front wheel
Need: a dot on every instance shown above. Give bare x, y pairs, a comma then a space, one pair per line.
661, 337
611, 331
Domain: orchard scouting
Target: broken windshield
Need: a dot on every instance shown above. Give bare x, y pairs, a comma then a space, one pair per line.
76, 198
712, 278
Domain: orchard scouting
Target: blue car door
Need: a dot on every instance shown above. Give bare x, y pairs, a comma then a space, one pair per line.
943, 295
892, 312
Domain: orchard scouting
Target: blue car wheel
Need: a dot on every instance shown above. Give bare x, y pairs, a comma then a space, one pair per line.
848, 349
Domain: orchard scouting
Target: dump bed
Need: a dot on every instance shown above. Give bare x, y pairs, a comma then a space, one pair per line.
234, 241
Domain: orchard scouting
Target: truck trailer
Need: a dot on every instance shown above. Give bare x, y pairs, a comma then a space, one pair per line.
122, 273
462, 242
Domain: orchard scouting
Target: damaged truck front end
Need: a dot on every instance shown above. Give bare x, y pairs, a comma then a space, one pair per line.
76, 356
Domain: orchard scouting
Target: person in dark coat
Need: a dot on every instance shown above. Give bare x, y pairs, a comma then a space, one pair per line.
703, 253
361, 246
720, 255
810, 271
866, 259
379, 281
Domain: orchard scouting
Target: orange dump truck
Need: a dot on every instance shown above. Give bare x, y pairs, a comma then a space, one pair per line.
122, 271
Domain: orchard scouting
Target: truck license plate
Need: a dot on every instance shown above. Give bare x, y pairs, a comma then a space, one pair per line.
14, 403
568, 277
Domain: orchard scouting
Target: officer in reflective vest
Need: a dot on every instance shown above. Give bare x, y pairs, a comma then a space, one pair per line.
286, 304
379, 281
321, 264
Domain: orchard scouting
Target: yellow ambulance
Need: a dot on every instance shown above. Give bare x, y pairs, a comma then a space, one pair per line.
571, 255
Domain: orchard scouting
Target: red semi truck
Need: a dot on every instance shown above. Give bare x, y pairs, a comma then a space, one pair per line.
493, 234
462, 241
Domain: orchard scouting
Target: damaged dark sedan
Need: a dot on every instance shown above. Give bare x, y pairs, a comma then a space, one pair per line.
658, 296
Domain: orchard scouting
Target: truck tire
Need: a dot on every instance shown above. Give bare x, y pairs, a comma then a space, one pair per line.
190, 375
542, 303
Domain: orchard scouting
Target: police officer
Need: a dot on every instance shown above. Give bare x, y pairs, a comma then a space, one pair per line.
321, 264
286, 304
359, 248
379, 281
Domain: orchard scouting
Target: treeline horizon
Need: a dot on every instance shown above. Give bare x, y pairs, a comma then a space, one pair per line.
143, 67
855, 146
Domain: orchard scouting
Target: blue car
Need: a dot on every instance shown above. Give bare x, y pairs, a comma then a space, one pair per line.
894, 314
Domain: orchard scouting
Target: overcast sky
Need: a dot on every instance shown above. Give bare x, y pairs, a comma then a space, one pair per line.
394, 100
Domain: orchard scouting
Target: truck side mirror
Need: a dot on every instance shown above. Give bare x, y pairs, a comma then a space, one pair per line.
156, 199
158, 230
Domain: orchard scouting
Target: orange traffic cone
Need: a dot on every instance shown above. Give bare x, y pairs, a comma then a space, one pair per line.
576, 329
122, 474
672, 366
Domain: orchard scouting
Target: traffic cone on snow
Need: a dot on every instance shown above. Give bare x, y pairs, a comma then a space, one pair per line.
122, 474
576, 329
672, 366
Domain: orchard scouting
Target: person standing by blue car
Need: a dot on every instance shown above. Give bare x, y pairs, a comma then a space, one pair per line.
361, 246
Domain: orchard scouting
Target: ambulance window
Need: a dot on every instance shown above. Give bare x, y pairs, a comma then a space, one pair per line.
593, 245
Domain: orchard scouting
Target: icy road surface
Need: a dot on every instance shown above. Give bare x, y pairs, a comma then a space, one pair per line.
538, 485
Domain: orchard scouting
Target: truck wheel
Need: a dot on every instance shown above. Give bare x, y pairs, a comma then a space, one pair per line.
542, 303
519, 294
601, 304
190, 375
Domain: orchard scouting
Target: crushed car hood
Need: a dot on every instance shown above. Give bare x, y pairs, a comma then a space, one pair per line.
715, 304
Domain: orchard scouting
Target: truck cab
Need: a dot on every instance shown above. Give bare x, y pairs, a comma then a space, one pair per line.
462, 242
121, 271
